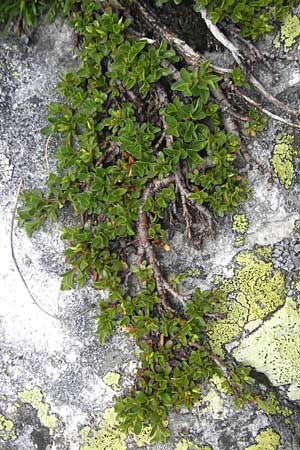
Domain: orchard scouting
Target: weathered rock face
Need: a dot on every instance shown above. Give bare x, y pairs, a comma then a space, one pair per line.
56, 381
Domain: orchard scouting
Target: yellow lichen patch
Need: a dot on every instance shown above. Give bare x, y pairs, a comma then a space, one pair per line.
240, 223
184, 444
35, 398
283, 159
144, 437
266, 440
239, 227
290, 31
274, 348
255, 291
112, 379
107, 437
7, 429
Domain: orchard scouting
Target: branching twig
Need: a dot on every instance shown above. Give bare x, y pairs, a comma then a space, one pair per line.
142, 234
193, 58
225, 372
222, 38
217, 33
268, 113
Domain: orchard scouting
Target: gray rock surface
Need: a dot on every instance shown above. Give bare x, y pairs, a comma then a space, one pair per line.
55, 378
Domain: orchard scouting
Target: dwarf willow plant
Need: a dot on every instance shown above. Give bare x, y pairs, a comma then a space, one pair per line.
253, 17
121, 143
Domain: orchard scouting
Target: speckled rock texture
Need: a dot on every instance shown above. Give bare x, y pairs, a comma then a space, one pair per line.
56, 382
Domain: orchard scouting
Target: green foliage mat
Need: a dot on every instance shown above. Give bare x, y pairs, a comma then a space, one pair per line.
134, 147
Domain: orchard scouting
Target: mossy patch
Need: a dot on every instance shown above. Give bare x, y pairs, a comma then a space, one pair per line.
283, 159
290, 31
7, 429
112, 379
266, 440
239, 227
35, 397
274, 348
255, 291
107, 437
271, 406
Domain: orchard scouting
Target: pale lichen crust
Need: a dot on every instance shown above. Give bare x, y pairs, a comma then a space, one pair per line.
274, 348
283, 159
266, 440
290, 31
256, 290
35, 397
7, 429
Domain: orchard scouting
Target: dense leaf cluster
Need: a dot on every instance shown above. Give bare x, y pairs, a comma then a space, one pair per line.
253, 17
113, 129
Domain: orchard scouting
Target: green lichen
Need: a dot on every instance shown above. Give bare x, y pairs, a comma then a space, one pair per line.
184, 444
35, 398
239, 227
266, 440
107, 437
274, 348
112, 379
240, 223
255, 291
7, 429
271, 406
239, 240
283, 159
290, 31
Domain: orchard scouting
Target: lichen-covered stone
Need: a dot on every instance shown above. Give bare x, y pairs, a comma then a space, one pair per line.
35, 397
283, 159
274, 348
107, 437
7, 429
255, 290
